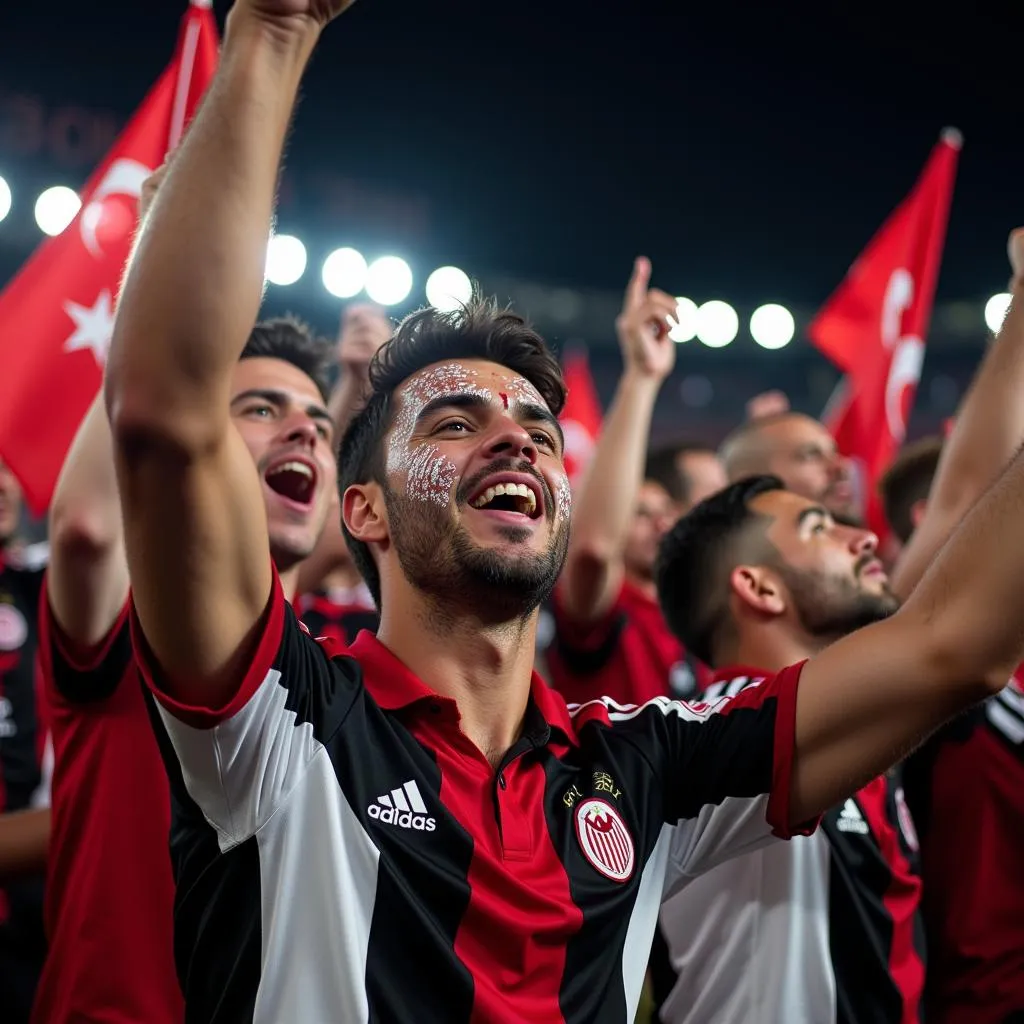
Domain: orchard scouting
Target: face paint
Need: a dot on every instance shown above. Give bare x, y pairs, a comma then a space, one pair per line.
429, 473
521, 390
563, 498
504, 400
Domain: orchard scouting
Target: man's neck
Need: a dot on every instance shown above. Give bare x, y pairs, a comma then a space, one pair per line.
485, 668
289, 582
771, 652
645, 584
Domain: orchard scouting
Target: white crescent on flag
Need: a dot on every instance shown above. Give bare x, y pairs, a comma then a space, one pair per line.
124, 178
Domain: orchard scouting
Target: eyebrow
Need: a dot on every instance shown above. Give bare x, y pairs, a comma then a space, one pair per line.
281, 399
809, 513
530, 411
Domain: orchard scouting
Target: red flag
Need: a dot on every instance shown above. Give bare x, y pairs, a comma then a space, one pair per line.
58, 311
874, 325
582, 415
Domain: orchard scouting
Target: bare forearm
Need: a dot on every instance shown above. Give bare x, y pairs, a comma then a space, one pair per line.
989, 428
969, 599
24, 841
88, 574
607, 501
193, 289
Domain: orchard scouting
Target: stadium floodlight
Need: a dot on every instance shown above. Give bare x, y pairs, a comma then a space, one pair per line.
286, 260
717, 323
56, 208
5, 199
344, 273
684, 324
772, 326
448, 288
995, 311
388, 280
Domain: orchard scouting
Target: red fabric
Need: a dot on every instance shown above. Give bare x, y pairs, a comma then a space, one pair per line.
582, 415
109, 890
874, 326
632, 667
59, 307
971, 864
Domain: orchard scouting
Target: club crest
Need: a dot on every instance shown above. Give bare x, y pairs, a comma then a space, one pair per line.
604, 839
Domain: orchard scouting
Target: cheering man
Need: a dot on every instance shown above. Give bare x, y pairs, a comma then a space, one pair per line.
414, 827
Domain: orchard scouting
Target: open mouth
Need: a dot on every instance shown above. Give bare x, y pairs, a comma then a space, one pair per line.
509, 496
293, 480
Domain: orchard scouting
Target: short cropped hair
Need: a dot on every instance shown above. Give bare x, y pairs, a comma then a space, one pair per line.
663, 468
292, 341
698, 554
480, 329
908, 481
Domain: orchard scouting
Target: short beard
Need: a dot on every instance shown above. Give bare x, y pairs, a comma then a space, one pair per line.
438, 558
831, 607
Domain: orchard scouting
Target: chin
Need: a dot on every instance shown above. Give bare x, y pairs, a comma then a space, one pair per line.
288, 547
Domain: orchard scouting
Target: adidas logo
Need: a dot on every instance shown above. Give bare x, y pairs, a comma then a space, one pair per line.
403, 807
851, 820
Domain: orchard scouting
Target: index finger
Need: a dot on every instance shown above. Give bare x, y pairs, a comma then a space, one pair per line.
636, 290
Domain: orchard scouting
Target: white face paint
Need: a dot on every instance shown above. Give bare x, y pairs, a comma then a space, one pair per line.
429, 474
563, 498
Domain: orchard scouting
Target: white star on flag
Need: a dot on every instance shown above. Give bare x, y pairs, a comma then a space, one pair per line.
93, 326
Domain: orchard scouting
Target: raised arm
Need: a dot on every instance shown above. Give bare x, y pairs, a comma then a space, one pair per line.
607, 501
196, 534
871, 697
989, 428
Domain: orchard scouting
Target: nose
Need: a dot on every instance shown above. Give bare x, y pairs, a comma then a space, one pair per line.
301, 429
511, 440
840, 467
863, 542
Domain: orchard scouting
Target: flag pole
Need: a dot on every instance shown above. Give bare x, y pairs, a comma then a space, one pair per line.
183, 86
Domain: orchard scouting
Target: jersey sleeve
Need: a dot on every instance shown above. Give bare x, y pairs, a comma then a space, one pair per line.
240, 762
77, 675
724, 768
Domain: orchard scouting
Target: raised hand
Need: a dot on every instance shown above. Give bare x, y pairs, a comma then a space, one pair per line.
364, 328
644, 323
1015, 250
320, 12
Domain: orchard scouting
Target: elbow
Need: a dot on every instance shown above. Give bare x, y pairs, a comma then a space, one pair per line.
967, 664
81, 535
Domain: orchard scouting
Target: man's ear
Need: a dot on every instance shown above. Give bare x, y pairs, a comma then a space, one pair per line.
758, 589
364, 513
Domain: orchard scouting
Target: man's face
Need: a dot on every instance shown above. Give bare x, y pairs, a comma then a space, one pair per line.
654, 515
279, 413
705, 475
477, 498
830, 573
10, 504
802, 453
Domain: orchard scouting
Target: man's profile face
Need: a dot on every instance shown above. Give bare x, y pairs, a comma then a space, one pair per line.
477, 497
803, 454
281, 416
830, 572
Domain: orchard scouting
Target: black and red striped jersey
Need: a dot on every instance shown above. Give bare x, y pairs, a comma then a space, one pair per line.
629, 654
827, 927
966, 791
24, 779
338, 614
344, 852
109, 887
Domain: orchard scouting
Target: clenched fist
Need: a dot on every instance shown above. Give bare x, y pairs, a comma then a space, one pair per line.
289, 12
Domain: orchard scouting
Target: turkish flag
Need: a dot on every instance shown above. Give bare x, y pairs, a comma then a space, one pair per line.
874, 325
582, 415
57, 313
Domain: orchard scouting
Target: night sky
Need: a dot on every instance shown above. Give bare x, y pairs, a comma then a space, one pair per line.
750, 152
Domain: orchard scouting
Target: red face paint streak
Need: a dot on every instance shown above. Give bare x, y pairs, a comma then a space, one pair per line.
504, 399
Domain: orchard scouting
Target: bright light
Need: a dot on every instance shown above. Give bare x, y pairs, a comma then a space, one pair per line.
5, 199
684, 326
772, 326
388, 280
56, 208
344, 273
448, 288
286, 260
717, 323
995, 311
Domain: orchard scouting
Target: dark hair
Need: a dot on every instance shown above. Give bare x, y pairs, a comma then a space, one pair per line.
696, 557
292, 341
663, 467
480, 329
908, 481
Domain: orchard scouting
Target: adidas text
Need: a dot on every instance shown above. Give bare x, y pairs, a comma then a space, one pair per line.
403, 819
